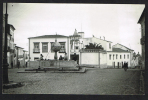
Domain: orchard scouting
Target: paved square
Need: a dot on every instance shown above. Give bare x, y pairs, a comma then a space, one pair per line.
94, 81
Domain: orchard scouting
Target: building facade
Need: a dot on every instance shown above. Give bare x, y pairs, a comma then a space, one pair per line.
117, 57
43, 45
109, 56
142, 40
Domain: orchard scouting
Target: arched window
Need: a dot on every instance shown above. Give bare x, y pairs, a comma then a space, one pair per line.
120, 57
124, 56
113, 56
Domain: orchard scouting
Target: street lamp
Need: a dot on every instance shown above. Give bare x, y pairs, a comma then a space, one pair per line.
5, 64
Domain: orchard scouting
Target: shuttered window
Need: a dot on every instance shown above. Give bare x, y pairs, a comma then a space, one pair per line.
44, 47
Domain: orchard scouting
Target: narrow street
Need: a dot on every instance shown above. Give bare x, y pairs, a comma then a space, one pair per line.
94, 81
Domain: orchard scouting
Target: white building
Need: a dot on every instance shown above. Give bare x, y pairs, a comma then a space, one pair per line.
117, 57
43, 45
111, 56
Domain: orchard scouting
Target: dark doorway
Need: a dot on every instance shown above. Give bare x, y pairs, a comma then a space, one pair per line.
114, 64
77, 58
118, 64
122, 64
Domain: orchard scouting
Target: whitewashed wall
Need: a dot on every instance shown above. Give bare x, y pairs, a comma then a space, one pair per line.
103, 60
110, 62
49, 55
89, 58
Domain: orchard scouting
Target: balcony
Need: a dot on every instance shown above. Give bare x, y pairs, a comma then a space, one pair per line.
62, 51
36, 50
76, 50
72, 50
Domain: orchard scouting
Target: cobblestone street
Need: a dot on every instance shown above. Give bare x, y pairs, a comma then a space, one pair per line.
94, 81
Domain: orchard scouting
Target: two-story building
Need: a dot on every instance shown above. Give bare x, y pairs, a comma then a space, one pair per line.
119, 55
43, 45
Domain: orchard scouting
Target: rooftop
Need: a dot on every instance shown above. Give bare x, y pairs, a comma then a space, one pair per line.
119, 50
125, 47
142, 15
49, 36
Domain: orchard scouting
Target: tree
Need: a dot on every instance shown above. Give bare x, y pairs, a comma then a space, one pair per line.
94, 46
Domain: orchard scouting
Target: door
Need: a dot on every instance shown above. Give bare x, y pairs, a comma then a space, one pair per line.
77, 58
118, 64
113, 64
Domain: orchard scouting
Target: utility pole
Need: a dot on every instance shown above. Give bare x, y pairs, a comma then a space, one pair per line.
5, 64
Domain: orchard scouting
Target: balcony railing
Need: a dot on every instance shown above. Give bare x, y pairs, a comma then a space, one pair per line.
36, 50
62, 51
76, 50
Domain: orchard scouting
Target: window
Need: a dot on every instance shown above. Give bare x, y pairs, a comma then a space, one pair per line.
51, 46
62, 50
36, 47
124, 56
120, 57
44, 47
110, 56
116, 56
113, 56
36, 58
127, 56
110, 45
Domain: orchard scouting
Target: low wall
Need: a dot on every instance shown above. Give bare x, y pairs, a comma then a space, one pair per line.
52, 63
33, 64
103, 65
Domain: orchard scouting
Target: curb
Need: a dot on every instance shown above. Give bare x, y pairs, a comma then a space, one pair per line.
142, 88
12, 85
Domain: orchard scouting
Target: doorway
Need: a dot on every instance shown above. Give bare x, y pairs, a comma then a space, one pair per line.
77, 58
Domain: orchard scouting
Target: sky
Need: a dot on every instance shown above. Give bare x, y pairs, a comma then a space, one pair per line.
116, 22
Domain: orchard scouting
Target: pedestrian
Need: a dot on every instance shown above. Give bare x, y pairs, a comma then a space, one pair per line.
41, 57
60, 58
18, 64
65, 57
125, 66
75, 58
11, 64
26, 64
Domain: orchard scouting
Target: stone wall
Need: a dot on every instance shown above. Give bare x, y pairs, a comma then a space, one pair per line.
52, 63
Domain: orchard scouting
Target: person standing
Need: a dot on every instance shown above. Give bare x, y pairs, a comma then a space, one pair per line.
41, 57
18, 64
60, 58
11, 64
65, 57
26, 64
